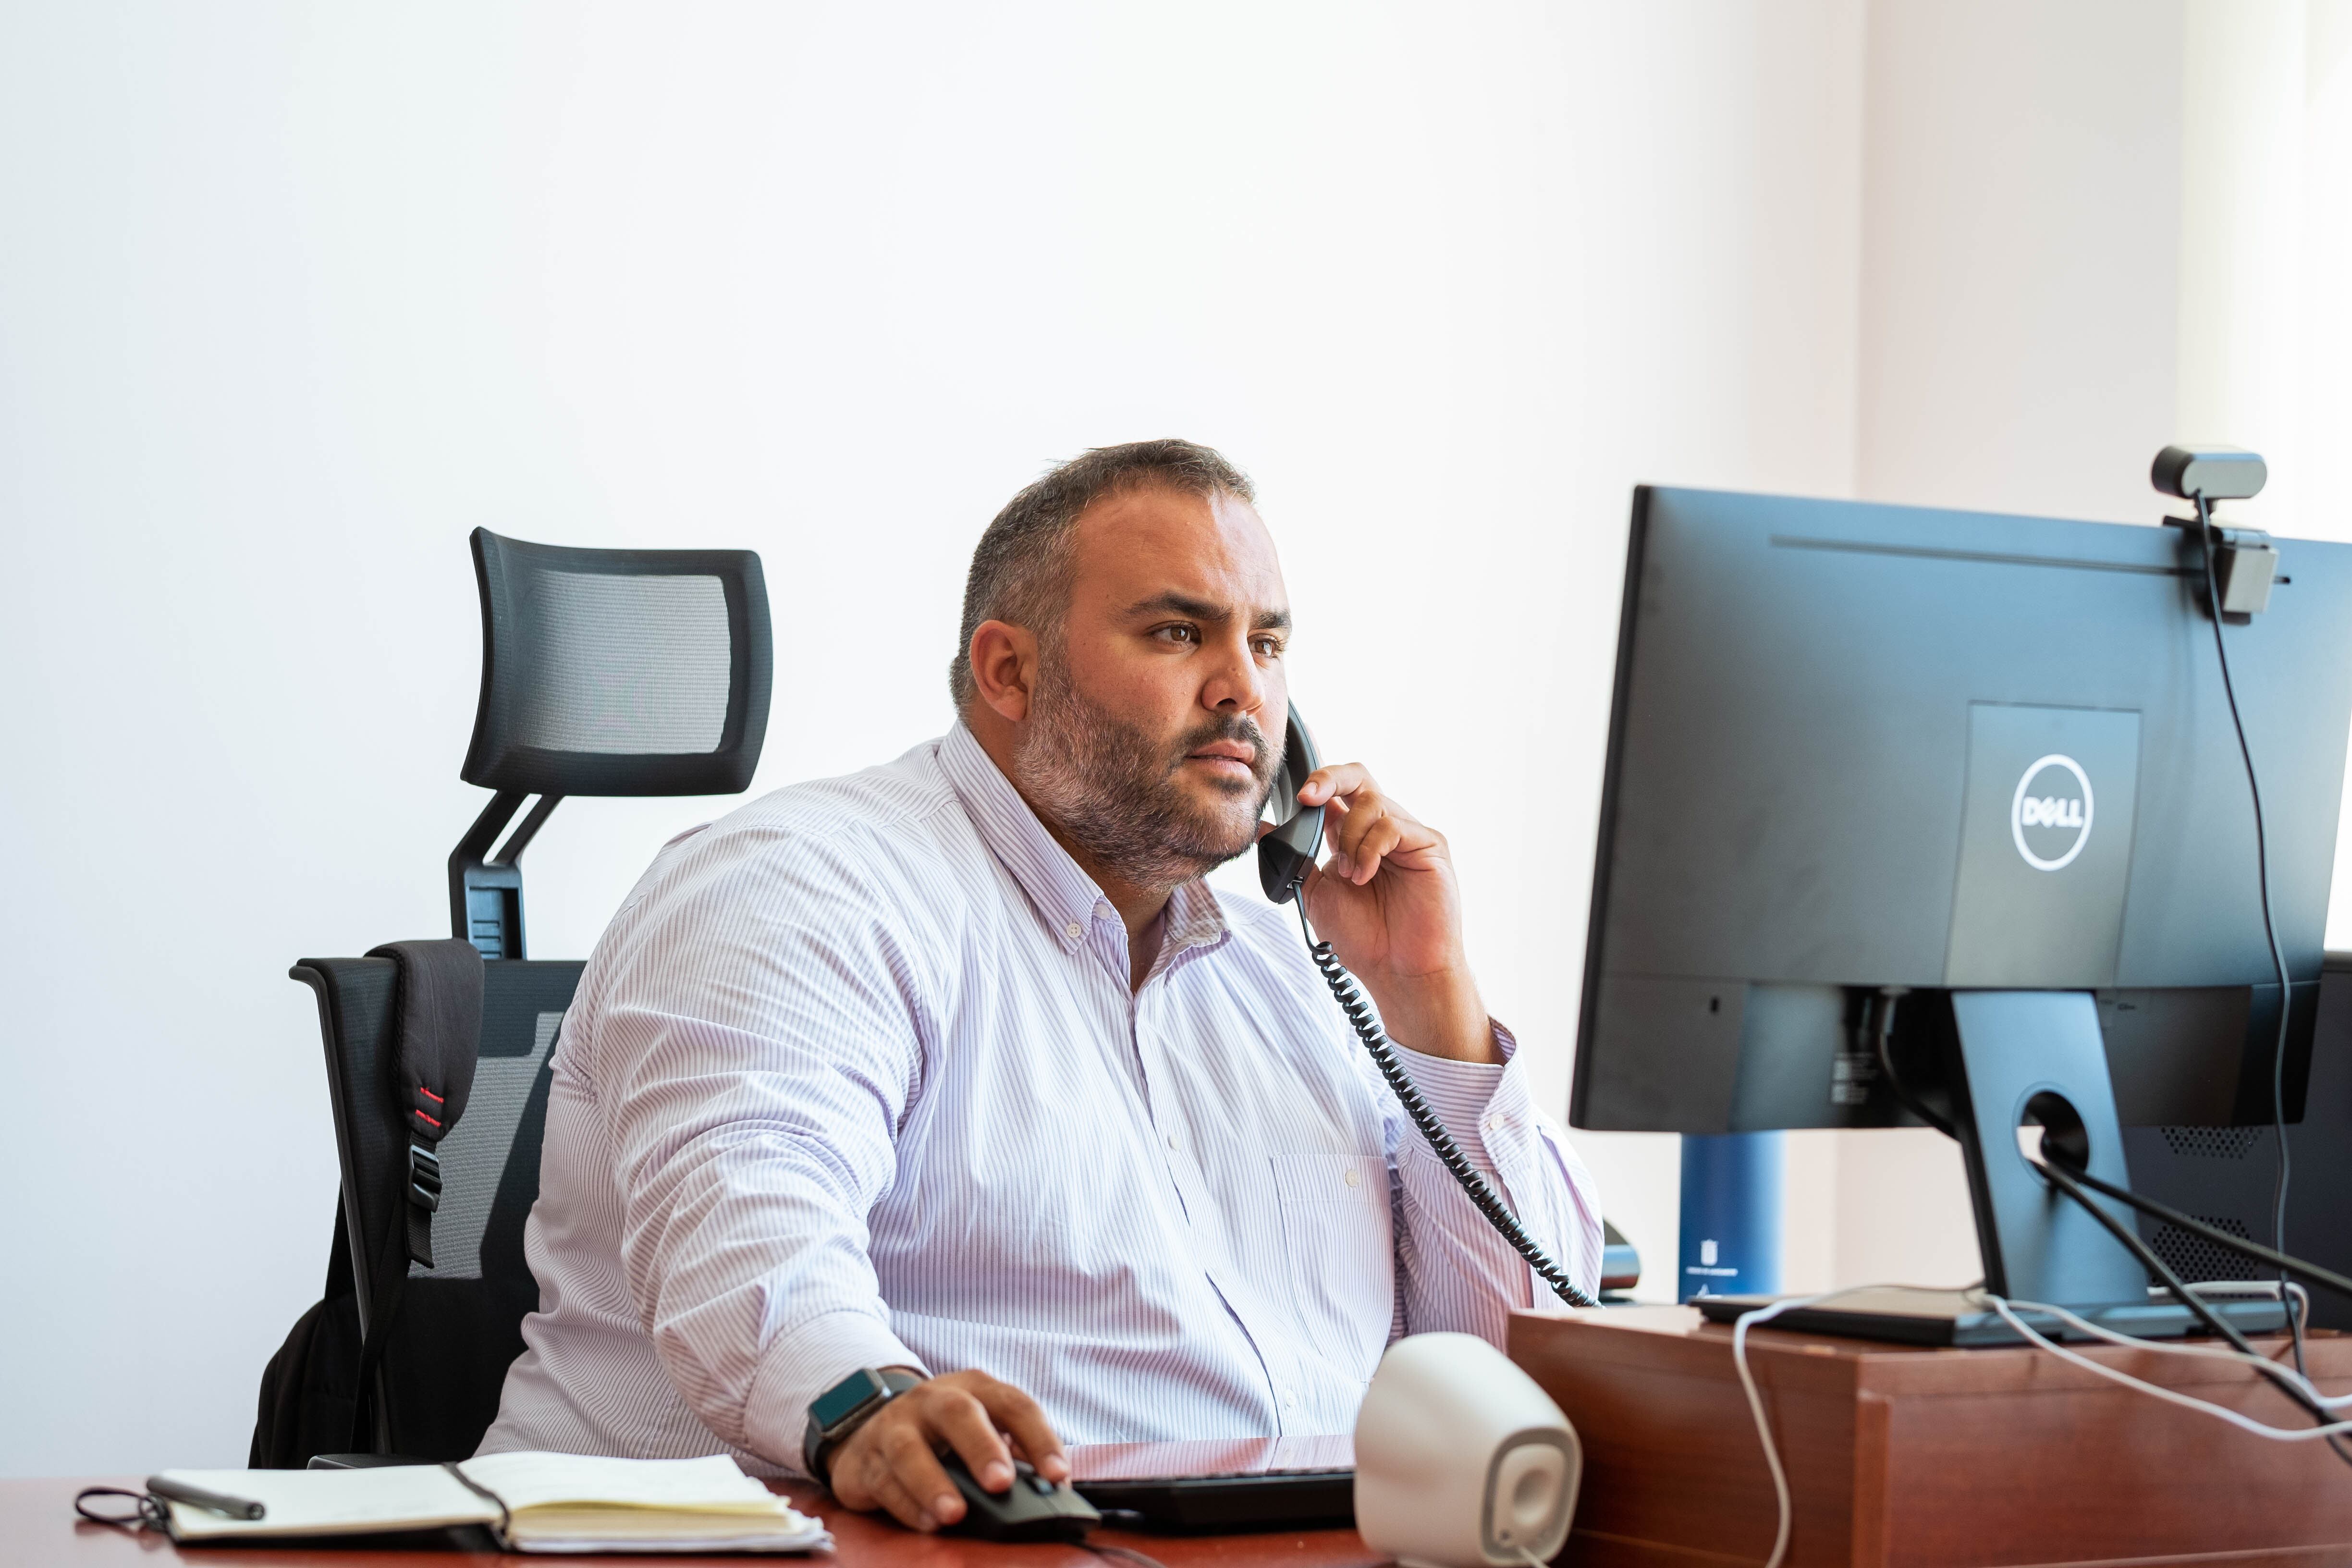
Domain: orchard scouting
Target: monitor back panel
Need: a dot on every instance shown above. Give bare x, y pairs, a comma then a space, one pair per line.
1858, 746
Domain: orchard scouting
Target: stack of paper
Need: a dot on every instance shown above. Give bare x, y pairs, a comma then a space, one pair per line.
552, 1502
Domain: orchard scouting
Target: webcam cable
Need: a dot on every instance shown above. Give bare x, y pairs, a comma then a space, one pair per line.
2210, 536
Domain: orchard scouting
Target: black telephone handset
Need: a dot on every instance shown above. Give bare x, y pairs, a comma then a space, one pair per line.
1284, 854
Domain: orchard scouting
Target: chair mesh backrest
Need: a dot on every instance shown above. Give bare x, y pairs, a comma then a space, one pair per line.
619, 671
490, 1144
461, 1322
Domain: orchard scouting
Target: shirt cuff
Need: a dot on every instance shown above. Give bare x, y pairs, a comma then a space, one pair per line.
803, 1364
1461, 1092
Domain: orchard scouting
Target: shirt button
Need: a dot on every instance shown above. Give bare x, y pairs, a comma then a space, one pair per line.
1352, 1176
1173, 1142
1075, 931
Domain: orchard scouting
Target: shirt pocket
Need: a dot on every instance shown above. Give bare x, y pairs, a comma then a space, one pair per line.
1340, 1250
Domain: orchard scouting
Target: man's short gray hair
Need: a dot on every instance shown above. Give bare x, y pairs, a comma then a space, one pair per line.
1020, 568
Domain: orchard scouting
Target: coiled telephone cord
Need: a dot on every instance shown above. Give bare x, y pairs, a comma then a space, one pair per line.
1362, 1018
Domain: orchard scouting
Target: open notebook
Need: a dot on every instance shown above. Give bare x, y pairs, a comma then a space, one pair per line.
534, 1502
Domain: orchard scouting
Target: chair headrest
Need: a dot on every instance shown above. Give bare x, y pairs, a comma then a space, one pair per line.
619, 672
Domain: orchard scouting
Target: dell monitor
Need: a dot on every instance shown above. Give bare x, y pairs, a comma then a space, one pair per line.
1911, 809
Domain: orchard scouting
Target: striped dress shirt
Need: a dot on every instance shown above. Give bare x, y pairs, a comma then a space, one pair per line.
857, 1078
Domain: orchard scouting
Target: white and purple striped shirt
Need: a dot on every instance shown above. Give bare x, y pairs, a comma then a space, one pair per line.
856, 1079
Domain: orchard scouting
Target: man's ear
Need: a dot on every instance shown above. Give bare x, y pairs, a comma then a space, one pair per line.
1004, 667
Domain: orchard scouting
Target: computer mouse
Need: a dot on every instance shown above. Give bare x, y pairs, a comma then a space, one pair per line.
1034, 1509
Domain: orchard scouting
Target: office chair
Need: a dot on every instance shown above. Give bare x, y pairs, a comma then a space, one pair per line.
1620, 1266
604, 672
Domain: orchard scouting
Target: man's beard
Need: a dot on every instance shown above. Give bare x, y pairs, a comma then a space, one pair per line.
1113, 791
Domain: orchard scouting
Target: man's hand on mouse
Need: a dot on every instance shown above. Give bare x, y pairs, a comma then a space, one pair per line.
890, 1462
1387, 902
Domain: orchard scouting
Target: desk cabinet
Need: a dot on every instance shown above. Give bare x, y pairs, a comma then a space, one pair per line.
1900, 1456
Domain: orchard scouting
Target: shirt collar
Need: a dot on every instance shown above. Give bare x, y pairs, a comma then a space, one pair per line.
1065, 896
1194, 918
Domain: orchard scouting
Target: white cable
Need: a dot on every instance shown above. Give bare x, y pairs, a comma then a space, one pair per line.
2209, 1352
2298, 1301
2170, 1396
1739, 1328
2233, 1287
1756, 1407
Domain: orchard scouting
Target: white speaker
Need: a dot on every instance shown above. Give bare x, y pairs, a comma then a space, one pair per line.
1461, 1460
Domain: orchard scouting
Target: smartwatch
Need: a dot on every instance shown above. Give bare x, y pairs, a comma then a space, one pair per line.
845, 1407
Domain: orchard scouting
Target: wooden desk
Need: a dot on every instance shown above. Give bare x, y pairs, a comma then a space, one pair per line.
38, 1529
1899, 1457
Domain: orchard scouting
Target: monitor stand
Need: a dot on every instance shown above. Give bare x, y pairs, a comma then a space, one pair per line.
2012, 1058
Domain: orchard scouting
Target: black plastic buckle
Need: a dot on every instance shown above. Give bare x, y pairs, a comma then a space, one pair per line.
423, 1178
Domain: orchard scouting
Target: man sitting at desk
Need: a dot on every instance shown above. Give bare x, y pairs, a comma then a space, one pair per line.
956, 1065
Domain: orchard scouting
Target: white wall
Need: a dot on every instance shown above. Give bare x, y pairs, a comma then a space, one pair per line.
293, 296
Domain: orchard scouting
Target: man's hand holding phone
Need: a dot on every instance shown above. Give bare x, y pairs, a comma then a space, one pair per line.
892, 1461
1389, 903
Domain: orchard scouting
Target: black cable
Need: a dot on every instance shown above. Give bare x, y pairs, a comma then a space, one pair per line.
2210, 536
147, 1511
2324, 1278
2254, 1250
1881, 1024
2059, 1177
506, 1516
1440, 1143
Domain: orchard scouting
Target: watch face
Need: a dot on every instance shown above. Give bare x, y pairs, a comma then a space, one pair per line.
839, 1402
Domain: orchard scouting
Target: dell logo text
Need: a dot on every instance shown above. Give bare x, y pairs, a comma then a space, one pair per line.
2052, 812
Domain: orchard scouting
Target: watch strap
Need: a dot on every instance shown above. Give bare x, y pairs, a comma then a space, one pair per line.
875, 1387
